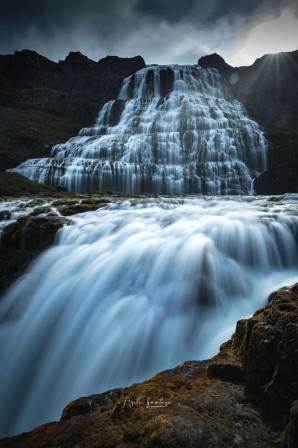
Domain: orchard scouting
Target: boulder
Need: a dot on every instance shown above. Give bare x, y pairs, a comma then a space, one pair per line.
22, 241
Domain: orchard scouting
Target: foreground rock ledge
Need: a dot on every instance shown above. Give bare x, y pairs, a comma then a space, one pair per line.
21, 241
246, 396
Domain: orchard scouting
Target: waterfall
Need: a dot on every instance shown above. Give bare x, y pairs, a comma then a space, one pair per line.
135, 288
172, 130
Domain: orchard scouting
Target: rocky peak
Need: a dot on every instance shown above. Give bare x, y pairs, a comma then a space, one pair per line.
116, 60
29, 55
77, 58
120, 65
216, 61
25, 64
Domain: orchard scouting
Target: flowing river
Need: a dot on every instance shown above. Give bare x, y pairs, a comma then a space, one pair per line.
134, 288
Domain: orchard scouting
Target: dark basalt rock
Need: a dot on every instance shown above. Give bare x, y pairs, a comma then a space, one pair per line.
69, 209
4, 215
116, 111
22, 241
290, 435
245, 396
216, 61
267, 348
163, 412
271, 360
91, 404
43, 103
25, 239
278, 179
166, 81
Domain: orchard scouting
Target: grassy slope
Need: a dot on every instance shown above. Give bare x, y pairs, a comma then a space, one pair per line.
12, 184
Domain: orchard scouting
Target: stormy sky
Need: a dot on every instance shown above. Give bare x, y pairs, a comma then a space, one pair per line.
162, 31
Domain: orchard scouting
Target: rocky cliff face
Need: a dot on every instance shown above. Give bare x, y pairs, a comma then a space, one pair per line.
246, 396
269, 91
43, 103
278, 178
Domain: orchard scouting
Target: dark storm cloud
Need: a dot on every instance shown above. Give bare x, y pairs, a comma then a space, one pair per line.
19, 15
35, 24
160, 30
175, 11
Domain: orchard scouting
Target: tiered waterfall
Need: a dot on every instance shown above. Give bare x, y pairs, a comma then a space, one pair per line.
172, 130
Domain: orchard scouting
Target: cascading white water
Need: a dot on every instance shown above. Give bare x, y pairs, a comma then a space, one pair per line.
133, 289
172, 130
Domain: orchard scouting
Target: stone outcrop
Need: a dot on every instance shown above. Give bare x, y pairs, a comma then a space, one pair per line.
278, 179
43, 103
23, 240
266, 351
246, 396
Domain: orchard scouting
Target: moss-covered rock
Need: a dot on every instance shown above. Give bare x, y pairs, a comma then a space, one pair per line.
22, 241
5, 215
265, 349
271, 360
68, 210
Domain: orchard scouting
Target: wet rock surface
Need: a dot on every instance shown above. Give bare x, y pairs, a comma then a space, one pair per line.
267, 348
271, 359
246, 396
23, 239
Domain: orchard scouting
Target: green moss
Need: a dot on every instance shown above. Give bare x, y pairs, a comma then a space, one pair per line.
22, 241
118, 411
154, 436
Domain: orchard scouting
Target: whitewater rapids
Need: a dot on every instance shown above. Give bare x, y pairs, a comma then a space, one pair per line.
135, 288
